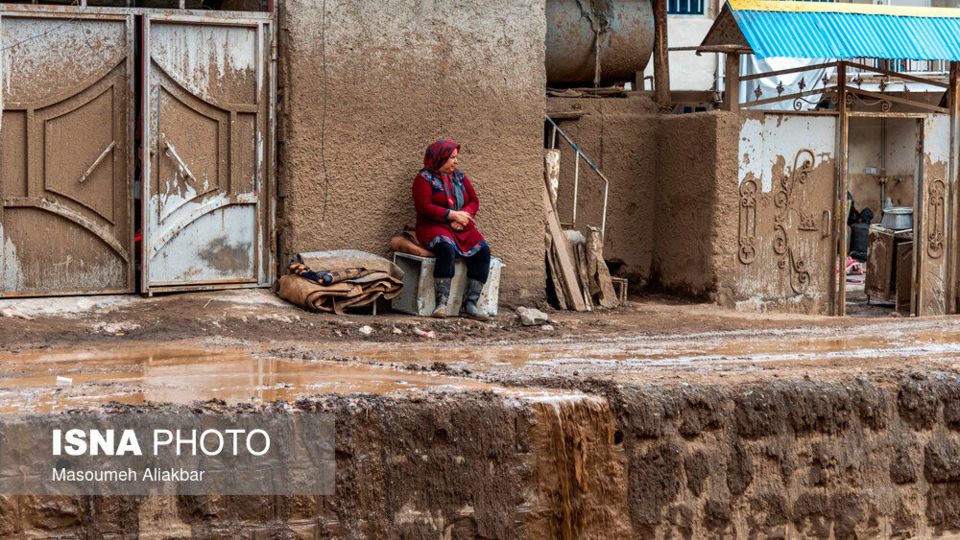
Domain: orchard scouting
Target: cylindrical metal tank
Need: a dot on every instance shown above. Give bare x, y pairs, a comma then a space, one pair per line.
625, 46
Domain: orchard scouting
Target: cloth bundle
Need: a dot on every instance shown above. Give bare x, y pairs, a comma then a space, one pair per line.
407, 243
332, 281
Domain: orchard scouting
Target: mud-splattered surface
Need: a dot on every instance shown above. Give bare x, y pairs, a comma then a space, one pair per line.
368, 85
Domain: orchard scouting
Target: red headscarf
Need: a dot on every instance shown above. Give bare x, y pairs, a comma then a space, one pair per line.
434, 158
438, 153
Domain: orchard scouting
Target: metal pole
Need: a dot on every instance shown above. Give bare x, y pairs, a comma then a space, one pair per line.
953, 102
841, 304
580, 154
576, 186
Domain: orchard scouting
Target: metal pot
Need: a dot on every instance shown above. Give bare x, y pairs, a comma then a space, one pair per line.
898, 218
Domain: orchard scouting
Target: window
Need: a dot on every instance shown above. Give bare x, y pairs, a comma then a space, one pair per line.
685, 7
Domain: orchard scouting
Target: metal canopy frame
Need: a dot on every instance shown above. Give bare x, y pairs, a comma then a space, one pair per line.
844, 92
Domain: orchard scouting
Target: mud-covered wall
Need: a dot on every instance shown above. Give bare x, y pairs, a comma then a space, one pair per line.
673, 189
866, 156
696, 201
856, 457
357, 114
620, 136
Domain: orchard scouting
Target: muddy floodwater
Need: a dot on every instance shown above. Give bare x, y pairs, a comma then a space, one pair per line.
708, 351
56, 380
46, 382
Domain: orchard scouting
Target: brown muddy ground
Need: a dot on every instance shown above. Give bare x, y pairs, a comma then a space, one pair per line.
247, 346
257, 316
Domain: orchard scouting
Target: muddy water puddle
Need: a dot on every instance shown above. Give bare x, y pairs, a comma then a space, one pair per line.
46, 382
715, 351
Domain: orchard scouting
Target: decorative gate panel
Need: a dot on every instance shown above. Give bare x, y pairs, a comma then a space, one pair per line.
787, 191
66, 161
930, 231
207, 124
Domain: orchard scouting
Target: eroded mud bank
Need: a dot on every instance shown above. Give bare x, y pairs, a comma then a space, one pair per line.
877, 456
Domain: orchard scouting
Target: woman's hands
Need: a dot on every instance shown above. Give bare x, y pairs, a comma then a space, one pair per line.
459, 219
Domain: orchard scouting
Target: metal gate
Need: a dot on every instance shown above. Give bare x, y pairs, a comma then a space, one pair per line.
931, 238
207, 130
787, 186
66, 159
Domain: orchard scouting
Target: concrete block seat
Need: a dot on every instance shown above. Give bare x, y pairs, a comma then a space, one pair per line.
419, 298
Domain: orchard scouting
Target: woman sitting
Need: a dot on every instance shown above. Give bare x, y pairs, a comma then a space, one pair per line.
446, 205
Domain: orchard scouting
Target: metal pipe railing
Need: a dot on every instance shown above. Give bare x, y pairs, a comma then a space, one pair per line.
576, 176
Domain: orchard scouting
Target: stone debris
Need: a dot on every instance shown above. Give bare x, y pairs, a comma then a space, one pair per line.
424, 333
397, 331
531, 316
11, 313
115, 328
366, 330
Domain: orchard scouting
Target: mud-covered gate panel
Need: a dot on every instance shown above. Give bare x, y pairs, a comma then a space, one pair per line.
787, 191
931, 221
207, 124
65, 221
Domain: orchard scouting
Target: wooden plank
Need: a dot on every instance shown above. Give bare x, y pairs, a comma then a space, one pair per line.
904, 278
880, 253
598, 269
582, 273
552, 270
565, 257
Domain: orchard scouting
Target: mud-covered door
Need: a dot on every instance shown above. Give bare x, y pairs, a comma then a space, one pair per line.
787, 175
66, 160
207, 127
930, 227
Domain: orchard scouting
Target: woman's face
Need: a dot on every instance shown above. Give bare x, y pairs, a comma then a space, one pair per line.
451, 163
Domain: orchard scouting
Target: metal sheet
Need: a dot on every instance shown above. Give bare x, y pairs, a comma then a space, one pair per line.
205, 205
930, 223
66, 223
836, 30
787, 184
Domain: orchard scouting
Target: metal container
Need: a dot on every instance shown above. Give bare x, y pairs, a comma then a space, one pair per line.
898, 218
625, 45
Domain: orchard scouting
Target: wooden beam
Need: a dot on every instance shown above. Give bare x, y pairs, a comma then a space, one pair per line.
566, 115
661, 55
565, 258
731, 83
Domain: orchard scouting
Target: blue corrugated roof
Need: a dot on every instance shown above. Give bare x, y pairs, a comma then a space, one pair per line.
827, 30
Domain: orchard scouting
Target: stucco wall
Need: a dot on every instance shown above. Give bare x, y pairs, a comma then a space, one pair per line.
620, 136
696, 201
400, 74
